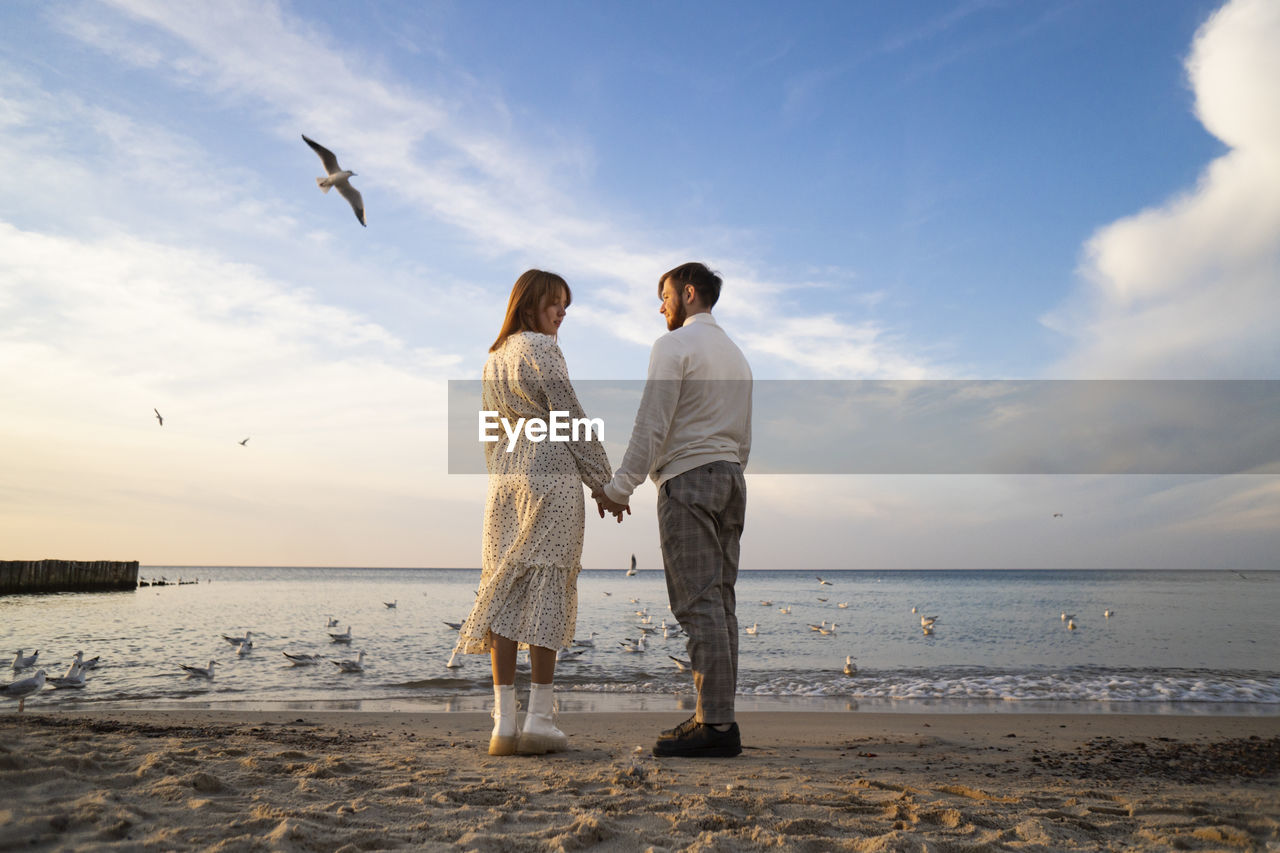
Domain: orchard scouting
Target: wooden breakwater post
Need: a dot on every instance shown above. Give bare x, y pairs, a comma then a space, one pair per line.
21, 576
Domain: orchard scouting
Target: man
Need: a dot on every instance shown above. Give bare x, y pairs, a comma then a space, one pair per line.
691, 437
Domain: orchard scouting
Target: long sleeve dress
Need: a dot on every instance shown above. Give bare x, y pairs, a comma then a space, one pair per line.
535, 510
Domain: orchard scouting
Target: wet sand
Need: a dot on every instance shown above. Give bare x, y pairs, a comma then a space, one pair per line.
349, 781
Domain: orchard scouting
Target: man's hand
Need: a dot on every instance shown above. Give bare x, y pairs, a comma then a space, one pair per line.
604, 502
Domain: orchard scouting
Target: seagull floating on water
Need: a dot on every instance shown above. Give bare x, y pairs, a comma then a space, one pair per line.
1107, 614
1066, 617
244, 648
828, 631
1071, 624
682, 665
457, 626
344, 637
303, 659
337, 177
356, 665
588, 643
849, 666
205, 672
91, 663
331, 622
570, 654
786, 609
390, 605
633, 645
754, 629
23, 688
21, 662
235, 641
843, 605
73, 677
764, 603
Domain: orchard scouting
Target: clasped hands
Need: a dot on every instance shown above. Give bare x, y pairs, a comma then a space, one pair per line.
605, 503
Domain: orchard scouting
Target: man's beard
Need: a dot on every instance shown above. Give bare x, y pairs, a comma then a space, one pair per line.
676, 319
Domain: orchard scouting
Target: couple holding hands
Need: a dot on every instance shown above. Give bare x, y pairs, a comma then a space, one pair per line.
692, 435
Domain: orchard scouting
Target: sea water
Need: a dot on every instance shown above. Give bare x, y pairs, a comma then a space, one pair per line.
1177, 642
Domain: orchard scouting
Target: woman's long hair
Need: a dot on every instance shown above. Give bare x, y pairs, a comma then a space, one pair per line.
529, 295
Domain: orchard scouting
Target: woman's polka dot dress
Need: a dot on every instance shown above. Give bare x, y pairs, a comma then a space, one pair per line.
535, 509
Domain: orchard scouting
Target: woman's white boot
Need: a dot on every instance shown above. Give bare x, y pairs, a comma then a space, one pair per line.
505, 732
539, 733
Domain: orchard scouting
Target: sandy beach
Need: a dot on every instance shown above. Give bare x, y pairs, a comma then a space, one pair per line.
349, 781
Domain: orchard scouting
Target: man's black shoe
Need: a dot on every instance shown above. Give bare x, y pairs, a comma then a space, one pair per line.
679, 731
701, 741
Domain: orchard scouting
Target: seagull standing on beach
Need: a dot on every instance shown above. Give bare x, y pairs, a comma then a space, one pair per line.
23, 688
337, 177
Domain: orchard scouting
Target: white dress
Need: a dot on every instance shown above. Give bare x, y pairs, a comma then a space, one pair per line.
535, 509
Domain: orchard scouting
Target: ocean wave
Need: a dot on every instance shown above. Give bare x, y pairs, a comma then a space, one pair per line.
1063, 686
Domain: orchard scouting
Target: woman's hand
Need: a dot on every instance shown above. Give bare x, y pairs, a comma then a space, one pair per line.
605, 503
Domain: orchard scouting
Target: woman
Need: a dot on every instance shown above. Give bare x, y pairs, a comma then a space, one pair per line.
533, 517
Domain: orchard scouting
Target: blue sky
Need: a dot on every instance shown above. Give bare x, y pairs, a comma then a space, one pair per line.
892, 191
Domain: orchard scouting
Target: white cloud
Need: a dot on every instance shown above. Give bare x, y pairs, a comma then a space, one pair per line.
341, 413
457, 159
1191, 288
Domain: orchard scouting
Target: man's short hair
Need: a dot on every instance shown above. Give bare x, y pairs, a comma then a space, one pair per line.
705, 283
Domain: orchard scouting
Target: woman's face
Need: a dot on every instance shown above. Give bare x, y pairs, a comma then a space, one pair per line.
552, 314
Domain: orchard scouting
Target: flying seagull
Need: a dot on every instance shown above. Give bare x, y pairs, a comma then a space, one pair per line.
243, 443
159, 416
337, 177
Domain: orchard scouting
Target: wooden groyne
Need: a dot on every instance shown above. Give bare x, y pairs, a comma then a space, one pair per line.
20, 576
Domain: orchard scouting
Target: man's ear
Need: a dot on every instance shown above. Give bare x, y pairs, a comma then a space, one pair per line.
690, 294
